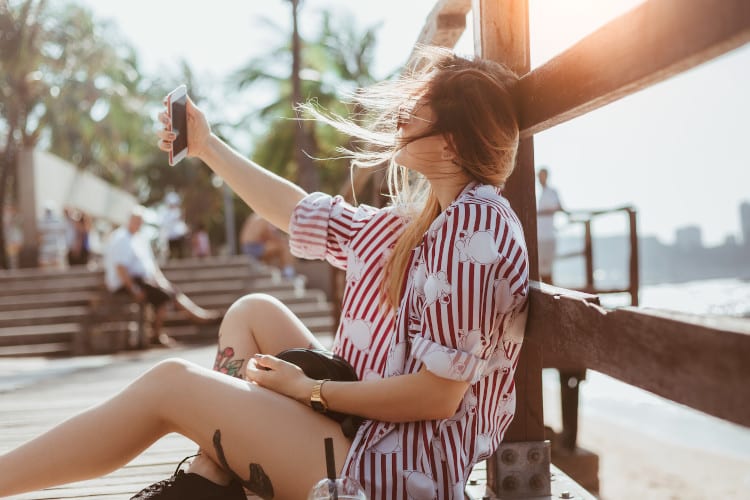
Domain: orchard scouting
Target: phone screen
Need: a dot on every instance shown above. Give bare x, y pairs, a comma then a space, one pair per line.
179, 124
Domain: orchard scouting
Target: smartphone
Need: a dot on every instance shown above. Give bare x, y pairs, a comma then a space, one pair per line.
177, 111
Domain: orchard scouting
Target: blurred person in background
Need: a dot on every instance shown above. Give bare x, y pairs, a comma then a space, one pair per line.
200, 242
79, 225
53, 246
131, 268
13, 234
173, 226
262, 241
548, 204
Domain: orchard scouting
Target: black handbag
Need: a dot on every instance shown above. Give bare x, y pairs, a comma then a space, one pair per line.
320, 365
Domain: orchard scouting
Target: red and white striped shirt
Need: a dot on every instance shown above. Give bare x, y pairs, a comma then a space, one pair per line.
462, 316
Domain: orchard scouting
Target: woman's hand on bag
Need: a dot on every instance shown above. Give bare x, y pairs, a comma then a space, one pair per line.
280, 376
199, 131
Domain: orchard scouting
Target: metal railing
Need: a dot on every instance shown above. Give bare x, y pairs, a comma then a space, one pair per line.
585, 218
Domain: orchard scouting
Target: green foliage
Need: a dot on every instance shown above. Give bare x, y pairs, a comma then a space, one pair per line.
334, 62
70, 84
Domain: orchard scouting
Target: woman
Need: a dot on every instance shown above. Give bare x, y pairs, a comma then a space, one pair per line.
435, 285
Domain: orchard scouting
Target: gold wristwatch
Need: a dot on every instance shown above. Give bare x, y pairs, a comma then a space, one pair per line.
316, 398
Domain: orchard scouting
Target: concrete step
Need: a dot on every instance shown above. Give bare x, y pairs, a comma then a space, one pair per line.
58, 284
196, 274
319, 322
39, 334
234, 260
27, 317
202, 335
32, 274
43, 311
47, 349
45, 300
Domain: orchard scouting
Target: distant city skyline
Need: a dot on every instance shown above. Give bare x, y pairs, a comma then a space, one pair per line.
675, 151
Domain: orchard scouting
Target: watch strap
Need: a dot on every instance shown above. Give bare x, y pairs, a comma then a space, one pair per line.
317, 402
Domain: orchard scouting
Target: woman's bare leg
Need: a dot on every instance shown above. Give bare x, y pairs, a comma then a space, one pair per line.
234, 422
256, 323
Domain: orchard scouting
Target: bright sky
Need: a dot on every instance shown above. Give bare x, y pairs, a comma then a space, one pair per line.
675, 151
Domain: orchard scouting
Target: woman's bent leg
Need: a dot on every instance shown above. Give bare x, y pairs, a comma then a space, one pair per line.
265, 439
258, 323
255, 323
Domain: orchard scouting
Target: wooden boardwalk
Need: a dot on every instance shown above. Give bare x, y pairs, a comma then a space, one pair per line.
30, 410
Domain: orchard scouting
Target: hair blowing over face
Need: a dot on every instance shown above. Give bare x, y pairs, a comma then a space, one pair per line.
474, 111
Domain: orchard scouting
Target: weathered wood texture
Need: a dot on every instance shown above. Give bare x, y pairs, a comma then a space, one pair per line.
445, 23
31, 410
651, 43
702, 362
501, 31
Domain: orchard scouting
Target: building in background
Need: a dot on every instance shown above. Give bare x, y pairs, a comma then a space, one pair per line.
688, 238
745, 222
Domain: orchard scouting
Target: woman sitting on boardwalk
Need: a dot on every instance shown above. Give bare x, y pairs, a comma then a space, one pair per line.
432, 318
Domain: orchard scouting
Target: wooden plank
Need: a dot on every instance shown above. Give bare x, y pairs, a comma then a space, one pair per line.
501, 30
699, 361
445, 23
651, 43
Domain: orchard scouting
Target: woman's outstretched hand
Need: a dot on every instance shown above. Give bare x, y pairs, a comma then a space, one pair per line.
281, 377
199, 130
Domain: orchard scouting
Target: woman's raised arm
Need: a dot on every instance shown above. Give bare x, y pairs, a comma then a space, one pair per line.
268, 194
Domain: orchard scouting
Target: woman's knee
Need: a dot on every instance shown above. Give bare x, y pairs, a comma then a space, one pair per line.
254, 304
164, 375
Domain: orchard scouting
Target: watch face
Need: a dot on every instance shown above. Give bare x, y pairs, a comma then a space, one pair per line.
318, 406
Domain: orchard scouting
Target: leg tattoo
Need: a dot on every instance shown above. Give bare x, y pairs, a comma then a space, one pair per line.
225, 364
259, 483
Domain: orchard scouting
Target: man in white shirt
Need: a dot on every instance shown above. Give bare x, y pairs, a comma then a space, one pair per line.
130, 267
547, 204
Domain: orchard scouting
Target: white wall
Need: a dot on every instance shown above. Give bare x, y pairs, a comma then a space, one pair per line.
61, 183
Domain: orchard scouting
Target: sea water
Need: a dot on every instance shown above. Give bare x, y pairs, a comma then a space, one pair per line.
609, 399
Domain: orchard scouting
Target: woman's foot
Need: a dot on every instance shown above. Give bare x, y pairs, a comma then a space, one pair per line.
188, 486
194, 486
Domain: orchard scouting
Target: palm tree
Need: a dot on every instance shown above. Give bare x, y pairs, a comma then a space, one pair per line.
339, 58
303, 140
22, 88
59, 79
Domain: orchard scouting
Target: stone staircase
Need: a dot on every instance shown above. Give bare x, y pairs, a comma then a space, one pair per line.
45, 312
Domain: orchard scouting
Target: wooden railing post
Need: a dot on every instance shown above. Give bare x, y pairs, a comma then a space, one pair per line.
634, 274
520, 468
588, 253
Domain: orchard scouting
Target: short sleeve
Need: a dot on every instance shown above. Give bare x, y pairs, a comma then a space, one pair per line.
323, 226
120, 252
476, 278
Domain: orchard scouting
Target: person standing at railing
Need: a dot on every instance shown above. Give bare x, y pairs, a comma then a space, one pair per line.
548, 203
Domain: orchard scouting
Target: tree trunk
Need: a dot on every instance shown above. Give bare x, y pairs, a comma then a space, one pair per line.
307, 175
6, 165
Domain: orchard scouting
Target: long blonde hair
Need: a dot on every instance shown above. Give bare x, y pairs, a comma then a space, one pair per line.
475, 113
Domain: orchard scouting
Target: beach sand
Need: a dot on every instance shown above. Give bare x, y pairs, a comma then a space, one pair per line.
633, 465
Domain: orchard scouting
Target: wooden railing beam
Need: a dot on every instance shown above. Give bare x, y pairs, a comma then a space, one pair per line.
700, 361
646, 45
445, 23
